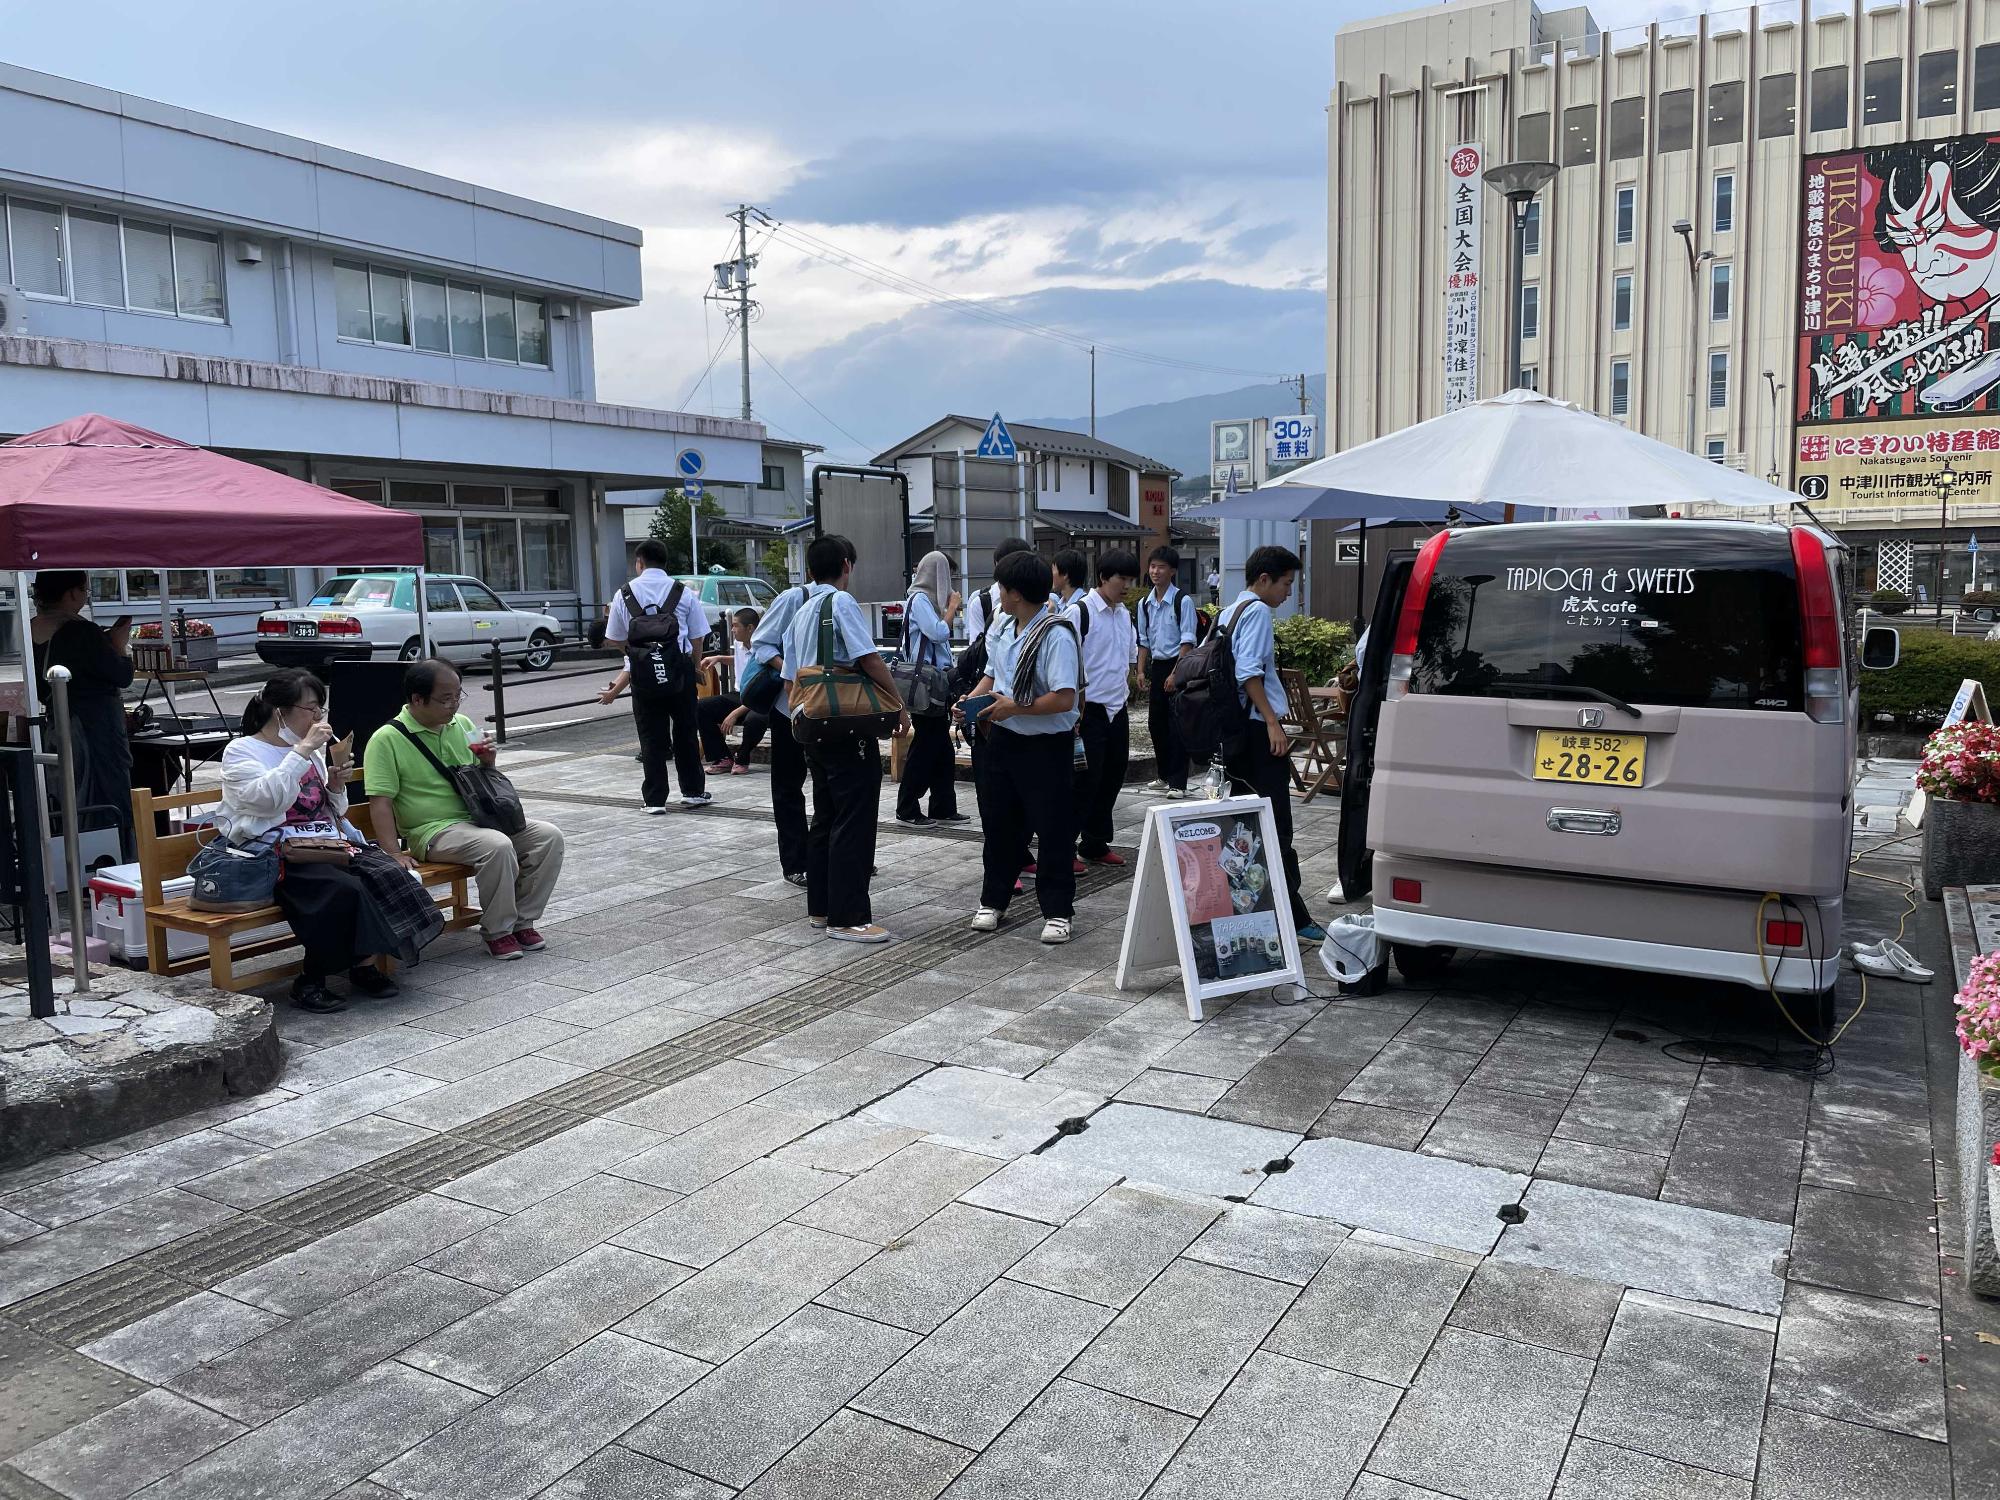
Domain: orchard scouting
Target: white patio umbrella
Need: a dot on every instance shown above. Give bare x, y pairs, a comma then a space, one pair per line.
1523, 449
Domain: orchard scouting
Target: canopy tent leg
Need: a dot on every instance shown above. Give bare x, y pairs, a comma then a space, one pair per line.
32, 706
423, 616
72, 826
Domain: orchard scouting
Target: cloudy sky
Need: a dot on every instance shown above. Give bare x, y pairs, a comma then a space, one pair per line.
1149, 174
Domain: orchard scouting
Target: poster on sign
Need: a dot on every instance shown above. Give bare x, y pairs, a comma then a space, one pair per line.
1210, 897
1464, 210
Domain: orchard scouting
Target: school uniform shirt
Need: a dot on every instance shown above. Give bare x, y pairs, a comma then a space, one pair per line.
1070, 607
740, 658
982, 611
927, 638
852, 639
1110, 651
651, 588
1056, 667
1166, 626
1254, 643
767, 641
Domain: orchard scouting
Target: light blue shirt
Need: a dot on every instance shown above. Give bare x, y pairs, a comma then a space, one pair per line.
926, 636
1254, 643
1058, 666
852, 639
1166, 626
768, 639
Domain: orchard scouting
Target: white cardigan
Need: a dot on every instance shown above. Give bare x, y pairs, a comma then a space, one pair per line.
256, 794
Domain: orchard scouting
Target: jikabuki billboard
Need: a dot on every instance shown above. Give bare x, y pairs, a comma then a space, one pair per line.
1898, 376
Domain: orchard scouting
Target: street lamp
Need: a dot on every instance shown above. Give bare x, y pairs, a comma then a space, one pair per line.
1947, 477
1518, 182
1686, 231
1776, 385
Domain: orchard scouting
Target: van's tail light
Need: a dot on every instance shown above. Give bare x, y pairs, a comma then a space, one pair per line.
1403, 653
268, 626
340, 625
1819, 628
1784, 934
1409, 892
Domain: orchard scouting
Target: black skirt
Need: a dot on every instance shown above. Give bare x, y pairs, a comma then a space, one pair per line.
345, 915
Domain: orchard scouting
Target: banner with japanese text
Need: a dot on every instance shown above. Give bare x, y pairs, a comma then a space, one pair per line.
1463, 212
1897, 381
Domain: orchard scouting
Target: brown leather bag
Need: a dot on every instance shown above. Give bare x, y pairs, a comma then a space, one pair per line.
314, 849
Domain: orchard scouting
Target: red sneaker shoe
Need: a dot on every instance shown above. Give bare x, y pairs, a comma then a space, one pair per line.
530, 940
504, 947
1028, 868
1108, 857
1076, 867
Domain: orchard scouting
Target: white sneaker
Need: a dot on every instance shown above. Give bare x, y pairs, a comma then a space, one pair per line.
651, 811
986, 919
1158, 788
1175, 793
1056, 930
698, 799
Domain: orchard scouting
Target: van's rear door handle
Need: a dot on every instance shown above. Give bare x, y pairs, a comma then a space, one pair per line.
1600, 821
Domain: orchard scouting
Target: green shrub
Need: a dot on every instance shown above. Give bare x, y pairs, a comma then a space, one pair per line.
1980, 599
1318, 648
1890, 602
1918, 690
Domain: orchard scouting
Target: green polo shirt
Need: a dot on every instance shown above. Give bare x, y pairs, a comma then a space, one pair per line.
425, 802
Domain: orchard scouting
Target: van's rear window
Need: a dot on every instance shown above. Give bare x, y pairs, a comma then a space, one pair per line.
1694, 620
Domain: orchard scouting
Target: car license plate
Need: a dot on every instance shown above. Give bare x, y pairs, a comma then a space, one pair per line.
307, 628
1595, 759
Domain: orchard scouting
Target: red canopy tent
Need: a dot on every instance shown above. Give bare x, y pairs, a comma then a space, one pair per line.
97, 493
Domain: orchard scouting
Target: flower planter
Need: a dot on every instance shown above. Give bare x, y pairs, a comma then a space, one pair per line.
1978, 1131
1961, 845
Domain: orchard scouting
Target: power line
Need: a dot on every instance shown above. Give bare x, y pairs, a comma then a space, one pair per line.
705, 368
809, 402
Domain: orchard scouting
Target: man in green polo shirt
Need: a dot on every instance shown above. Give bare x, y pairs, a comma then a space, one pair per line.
516, 875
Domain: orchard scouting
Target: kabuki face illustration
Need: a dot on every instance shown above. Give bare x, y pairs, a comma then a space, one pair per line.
1940, 211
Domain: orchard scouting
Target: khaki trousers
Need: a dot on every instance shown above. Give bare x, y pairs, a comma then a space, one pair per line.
516, 875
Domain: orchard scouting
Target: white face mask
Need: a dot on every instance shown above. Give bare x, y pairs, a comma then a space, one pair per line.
285, 734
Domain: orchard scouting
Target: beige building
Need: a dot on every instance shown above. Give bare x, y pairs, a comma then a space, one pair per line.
1711, 121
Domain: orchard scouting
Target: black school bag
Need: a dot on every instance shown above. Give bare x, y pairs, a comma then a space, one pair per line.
1206, 705
653, 645
971, 663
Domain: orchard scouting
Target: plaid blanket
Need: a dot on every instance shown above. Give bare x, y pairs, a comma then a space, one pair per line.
401, 902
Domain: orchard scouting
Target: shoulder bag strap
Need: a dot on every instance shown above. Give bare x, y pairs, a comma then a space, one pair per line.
826, 651
1230, 628
425, 751
632, 604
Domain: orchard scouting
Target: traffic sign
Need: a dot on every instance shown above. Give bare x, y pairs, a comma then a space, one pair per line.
1972, 544
694, 489
690, 463
997, 442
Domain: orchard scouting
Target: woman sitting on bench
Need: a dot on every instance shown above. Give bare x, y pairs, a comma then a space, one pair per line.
278, 784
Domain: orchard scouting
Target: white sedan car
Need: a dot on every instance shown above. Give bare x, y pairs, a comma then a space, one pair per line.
373, 616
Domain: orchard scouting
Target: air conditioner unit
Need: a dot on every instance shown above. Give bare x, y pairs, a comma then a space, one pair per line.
13, 310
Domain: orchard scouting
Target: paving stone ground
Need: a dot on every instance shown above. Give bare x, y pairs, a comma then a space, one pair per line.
698, 1203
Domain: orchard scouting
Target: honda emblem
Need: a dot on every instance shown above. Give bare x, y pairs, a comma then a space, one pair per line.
1590, 718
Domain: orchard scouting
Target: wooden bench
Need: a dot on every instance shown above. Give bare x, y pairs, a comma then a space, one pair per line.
164, 858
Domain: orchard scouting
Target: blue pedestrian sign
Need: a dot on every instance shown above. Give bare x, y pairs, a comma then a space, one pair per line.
693, 488
1972, 544
997, 442
690, 463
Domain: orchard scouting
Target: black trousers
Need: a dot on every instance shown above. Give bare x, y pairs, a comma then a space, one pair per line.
709, 713
840, 845
667, 728
1029, 788
1107, 747
1255, 772
788, 796
1168, 751
928, 768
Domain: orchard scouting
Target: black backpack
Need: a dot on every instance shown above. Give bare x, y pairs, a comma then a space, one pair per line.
1206, 705
971, 663
653, 645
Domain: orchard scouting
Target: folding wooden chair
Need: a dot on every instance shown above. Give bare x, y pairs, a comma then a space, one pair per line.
1318, 734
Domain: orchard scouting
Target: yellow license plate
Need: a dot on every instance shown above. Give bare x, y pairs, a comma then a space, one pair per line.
1595, 759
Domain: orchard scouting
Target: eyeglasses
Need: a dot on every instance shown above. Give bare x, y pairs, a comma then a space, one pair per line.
317, 710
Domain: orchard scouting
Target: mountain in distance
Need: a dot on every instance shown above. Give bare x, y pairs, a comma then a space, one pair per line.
1176, 432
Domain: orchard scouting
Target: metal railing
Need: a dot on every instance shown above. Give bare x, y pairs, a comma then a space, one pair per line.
496, 684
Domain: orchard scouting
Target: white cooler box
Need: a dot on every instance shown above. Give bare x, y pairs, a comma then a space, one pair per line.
118, 914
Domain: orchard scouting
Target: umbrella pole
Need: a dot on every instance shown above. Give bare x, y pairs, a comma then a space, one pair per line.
1361, 582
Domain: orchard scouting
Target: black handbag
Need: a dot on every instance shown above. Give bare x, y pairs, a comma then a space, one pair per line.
489, 797
924, 688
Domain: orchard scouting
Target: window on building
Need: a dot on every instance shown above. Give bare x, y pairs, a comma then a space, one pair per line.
35, 239
774, 478
1725, 113
410, 494
149, 268
1677, 120
546, 562
379, 305
1628, 129
358, 489
1986, 76
1716, 452
1621, 387
1621, 302
1579, 135
1777, 105
1882, 91
1721, 286
101, 260
1937, 84
96, 260
1531, 378
1725, 202
536, 499
1531, 137
492, 552
1531, 229
479, 496
1718, 380
1090, 475
198, 274
1828, 106
1531, 312
1625, 216
252, 583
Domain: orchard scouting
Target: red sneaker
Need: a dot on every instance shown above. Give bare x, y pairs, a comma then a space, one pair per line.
1076, 867
1108, 857
504, 947
1028, 868
530, 940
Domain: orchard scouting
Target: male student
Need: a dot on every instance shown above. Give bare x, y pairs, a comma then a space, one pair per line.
1110, 649
788, 762
718, 711
1166, 629
846, 768
1034, 667
659, 624
1262, 766
982, 610
1072, 577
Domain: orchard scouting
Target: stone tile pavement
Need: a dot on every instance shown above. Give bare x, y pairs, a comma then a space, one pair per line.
697, 1204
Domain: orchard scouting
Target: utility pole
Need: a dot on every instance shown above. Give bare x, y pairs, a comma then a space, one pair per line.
1304, 408
1093, 390
743, 296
